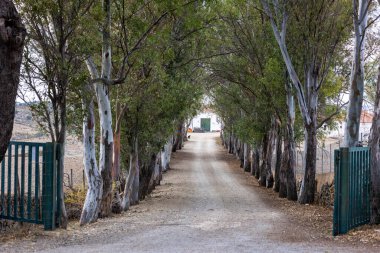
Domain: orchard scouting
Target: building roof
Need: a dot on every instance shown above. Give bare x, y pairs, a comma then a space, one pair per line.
366, 117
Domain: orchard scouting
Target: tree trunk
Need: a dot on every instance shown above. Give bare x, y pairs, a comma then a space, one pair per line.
12, 35
308, 186
136, 182
375, 158
105, 115
230, 144
178, 138
308, 183
62, 141
351, 131
93, 199
262, 178
291, 185
278, 161
282, 189
125, 203
257, 163
246, 162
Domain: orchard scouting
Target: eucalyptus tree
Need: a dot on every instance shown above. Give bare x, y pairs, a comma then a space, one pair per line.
12, 36
103, 80
51, 65
253, 65
317, 35
133, 23
360, 20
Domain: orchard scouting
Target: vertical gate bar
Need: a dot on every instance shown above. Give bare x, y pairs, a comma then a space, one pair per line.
368, 184
3, 187
351, 195
355, 186
361, 182
29, 208
15, 187
9, 182
361, 189
58, 180
357, 180
364, 186
351, 208
345, 165
37, 182
22, 180
49, 191
336, 218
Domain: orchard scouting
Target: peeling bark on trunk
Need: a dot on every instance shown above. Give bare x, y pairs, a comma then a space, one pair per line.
125, 203
12, 35
102, 94
375, 158
291, 185
351, 131
93, 199
278, 161
257, 163
308, 186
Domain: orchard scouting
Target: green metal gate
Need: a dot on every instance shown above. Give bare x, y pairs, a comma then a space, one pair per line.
206, 124
352, 188
29, 184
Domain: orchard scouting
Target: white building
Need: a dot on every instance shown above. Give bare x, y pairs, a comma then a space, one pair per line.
364, 130
207, 120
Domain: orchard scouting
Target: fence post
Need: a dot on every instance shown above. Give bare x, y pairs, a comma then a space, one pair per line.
341, 205
59, 173
49, 188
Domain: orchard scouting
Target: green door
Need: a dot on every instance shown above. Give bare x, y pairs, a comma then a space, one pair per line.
206, 124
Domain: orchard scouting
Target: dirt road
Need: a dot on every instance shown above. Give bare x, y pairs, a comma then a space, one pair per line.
204, 205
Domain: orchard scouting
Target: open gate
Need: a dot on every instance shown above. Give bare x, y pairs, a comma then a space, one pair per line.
29, 183
352, 188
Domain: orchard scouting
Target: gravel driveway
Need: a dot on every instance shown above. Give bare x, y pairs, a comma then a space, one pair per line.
203, 205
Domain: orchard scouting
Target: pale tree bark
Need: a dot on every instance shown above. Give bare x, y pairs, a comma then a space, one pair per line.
104, 108
307, 100
93, 199
136, 182
105, 115
360, 18
12, 36
132, 173
375, 158
165, 155
276, 187
288, 187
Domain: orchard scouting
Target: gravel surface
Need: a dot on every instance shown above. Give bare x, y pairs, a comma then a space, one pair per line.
205, 204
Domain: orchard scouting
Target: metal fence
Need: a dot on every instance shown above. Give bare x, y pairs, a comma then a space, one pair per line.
352, 189
29, 183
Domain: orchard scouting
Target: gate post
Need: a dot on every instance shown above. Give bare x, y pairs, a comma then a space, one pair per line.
341, 181
49, 189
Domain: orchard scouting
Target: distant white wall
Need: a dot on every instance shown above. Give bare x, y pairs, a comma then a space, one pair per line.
215, 121
364, 131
